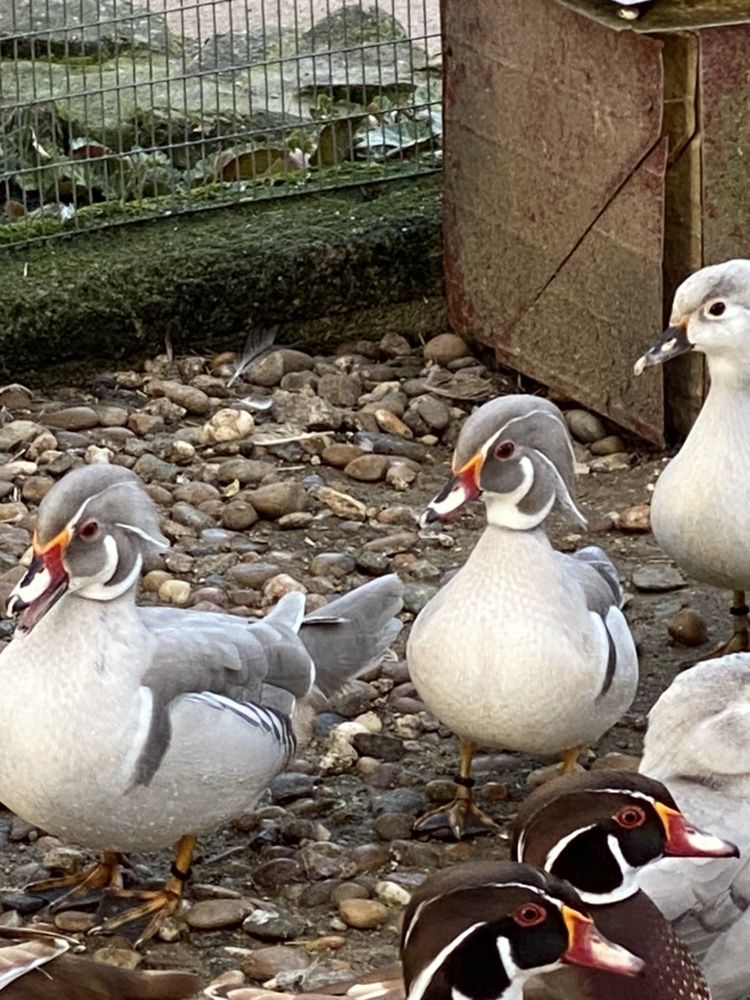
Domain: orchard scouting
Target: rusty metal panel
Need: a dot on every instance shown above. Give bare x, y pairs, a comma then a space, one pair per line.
554, 197
725, 103
582, 333
666, 15
684, 378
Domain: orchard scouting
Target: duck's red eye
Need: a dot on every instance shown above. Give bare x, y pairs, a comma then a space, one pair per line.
630, 817
529, 915
88, 530
506, 449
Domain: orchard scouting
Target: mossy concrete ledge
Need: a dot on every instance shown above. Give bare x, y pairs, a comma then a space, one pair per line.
355, 263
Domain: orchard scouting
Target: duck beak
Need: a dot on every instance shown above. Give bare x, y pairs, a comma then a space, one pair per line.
685, 841
460, 488
673, 341
45, 582
587, 947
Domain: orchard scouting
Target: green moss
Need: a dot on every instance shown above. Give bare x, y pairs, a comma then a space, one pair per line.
195, 199
202, 279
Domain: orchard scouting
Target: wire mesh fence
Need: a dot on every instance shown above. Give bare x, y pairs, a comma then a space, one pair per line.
116, 110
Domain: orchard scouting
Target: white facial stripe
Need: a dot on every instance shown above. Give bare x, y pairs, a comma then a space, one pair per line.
109, 591
631, 793
36, 586
75, 520
462, 888
95, 587
515, 973
560, 846
566, 498
158, 542
629, 884
537, 413
423, 980
79, 583
506, 957
629, 874
502, 508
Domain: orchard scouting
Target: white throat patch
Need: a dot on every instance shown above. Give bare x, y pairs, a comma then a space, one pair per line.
97, 587
502, 508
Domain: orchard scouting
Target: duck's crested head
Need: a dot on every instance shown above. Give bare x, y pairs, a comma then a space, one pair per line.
481, 930
516, 453
93, 527
711, 314
598, 829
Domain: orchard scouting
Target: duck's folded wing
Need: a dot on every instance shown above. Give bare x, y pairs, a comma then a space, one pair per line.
591, 569
228, 669
206, 651
235, 666
596, 573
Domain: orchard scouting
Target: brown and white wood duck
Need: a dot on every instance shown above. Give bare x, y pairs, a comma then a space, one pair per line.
599, 830
480, 931
130, 729
525, 648
38, 965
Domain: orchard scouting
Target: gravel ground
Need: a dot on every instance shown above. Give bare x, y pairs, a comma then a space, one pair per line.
320, 494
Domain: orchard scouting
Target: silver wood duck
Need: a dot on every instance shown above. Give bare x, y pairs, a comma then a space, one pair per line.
700, 513
526, 648
133, 728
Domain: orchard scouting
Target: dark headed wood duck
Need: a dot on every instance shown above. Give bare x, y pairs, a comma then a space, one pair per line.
598, 830
478, 932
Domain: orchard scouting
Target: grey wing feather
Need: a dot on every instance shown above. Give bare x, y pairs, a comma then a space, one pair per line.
288, 611
198, 652
595, 572
268, 661
598, 578
352, 632
596, 559
211, 651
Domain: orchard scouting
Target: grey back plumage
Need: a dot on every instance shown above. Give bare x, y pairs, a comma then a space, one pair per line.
698, 744
700, 726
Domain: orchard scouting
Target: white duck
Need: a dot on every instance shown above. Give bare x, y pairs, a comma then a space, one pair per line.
700, 511
525, 648
128, 728
698, 744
